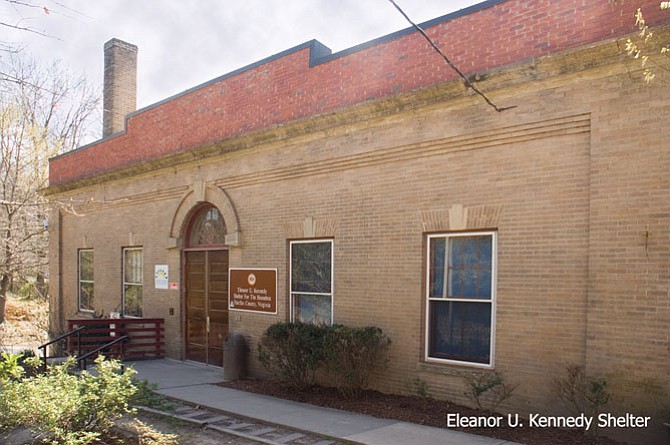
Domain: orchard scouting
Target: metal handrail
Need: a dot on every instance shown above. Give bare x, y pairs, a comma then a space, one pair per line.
62, 337
88, 355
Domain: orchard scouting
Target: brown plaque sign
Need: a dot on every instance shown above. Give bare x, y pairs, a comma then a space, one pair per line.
253, 290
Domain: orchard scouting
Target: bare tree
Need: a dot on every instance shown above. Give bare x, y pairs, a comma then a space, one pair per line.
646, 47
17, 15
43, 112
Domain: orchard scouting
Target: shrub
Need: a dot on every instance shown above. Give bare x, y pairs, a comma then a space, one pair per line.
419, 387
146, 395
292, 352
29, 291
352, 354
10, 367
490, 386
64, 408
581, 392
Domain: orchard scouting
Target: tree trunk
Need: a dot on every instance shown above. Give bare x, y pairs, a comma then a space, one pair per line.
4, 286
6, 280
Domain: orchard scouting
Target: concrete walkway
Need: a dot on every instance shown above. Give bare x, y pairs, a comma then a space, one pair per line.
196, 384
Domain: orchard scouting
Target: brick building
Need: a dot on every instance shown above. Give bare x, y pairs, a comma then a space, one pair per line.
384, 192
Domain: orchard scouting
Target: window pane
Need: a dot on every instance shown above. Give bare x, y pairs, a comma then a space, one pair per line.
460, 331
86, 280
133, 266
456, 252
311, 267
86, 296
484, 282
132, 289
132, 297
437, 265
463, 283
312, 309
208, 228
485, 249
86, 265
470, 262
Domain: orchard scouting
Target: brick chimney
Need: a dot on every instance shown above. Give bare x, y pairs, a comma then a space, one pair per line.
120, 85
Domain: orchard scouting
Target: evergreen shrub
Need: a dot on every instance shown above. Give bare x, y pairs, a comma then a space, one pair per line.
293, 352
352, 354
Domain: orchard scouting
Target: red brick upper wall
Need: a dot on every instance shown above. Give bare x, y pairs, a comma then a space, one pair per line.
285, 87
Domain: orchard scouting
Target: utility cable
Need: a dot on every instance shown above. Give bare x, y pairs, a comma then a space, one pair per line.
449, 62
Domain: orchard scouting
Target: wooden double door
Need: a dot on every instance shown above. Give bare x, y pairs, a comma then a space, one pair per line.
206, 273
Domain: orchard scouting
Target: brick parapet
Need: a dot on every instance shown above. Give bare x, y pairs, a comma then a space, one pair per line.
306, 81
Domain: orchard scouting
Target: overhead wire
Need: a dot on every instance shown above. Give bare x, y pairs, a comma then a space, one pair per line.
449, 62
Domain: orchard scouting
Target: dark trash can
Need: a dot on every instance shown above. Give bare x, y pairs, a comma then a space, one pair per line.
234, 357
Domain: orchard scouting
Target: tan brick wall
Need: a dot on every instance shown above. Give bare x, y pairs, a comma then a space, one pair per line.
574, 180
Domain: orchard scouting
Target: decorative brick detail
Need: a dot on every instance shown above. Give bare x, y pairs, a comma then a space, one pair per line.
484, 217
458, 217
310, 228
435, 220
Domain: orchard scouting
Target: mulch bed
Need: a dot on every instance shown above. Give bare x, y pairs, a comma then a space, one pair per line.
415, 409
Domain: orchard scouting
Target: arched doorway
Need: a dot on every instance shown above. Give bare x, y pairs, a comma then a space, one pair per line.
206, 286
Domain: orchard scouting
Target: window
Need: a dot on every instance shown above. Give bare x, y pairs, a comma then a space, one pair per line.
132, 281
208, 228
461, 297
86, 280
311, 279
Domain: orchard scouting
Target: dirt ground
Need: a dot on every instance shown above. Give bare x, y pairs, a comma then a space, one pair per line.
187, 434
26, 323
415, 409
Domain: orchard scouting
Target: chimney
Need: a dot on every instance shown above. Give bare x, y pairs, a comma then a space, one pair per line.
120, 85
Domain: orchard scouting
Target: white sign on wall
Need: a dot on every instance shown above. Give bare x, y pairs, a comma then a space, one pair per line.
161, 276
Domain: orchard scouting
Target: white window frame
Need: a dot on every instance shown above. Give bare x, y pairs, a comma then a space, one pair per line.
332, 276
491, 301
127, 283
80, 280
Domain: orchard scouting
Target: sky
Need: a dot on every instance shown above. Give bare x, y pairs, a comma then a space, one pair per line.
185, 43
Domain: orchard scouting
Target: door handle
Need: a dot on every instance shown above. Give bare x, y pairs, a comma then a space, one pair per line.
208, 325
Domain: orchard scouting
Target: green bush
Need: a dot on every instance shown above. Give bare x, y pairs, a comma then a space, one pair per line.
10, 367
292, 352
29, 291
491, 386
146, 395
60, 407
352, 354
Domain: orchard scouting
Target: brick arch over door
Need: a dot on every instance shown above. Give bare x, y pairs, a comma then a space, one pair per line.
192, 199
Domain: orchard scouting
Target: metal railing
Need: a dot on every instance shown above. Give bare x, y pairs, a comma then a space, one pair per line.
132, 338
82, 361
67, 335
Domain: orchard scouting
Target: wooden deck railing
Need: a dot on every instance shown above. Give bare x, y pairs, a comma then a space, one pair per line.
146, 338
